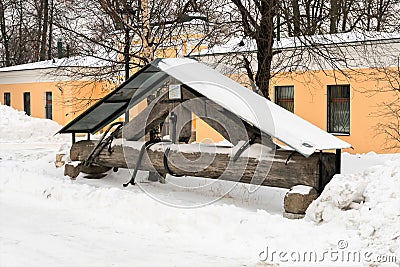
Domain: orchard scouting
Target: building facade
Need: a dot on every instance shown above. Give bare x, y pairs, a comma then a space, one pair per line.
48, 90
353, 101
350, 89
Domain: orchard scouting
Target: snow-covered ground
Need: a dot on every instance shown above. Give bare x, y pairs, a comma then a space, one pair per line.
49, 220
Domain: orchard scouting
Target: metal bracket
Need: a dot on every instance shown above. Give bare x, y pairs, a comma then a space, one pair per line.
289, 157
240, 151
139, 161
100, 144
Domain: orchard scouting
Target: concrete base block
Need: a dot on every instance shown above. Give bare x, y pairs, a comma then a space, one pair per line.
293, 216
299, 198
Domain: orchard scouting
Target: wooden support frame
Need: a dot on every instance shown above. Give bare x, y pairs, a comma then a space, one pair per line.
283, 170
315, 171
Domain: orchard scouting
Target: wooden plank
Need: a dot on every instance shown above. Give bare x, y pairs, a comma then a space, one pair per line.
268, 172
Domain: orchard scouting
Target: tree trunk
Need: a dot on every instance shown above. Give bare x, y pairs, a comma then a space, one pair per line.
38, 34
265, 41
43, 40
345, 11
21, 45
49, 51
4, 37
333, 16
369, 15
148, 52
296, 18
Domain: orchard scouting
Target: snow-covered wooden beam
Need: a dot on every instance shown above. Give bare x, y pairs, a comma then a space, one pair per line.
256, 165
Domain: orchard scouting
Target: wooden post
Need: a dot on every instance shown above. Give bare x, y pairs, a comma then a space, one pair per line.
183, 127
338, 162
126, 116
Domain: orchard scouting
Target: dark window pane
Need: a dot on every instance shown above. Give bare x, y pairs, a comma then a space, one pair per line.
7, 99
339, 109
27, 103
49, 105
284, 97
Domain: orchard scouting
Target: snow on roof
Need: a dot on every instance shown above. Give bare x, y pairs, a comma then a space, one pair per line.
236, 45
78, 61
270, 118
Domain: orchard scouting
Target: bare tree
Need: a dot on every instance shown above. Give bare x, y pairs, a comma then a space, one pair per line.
4, 34
257, 22
26, 30
124, 35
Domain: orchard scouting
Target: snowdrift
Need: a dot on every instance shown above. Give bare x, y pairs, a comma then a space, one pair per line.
362, 208
368, 202
17, 127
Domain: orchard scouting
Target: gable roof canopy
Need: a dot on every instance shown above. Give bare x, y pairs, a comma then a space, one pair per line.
256, 110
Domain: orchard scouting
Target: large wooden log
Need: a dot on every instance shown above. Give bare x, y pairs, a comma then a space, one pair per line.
314, 171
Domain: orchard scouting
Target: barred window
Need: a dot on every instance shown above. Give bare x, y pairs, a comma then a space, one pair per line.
48, 108
284, 97
339, 109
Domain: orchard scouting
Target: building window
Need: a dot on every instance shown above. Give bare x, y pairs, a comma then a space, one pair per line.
48, 106
284, 97
339, 109
7, 99
27, 103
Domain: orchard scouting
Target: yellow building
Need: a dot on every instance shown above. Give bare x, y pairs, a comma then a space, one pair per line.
48, 89
349, 100
343, 106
